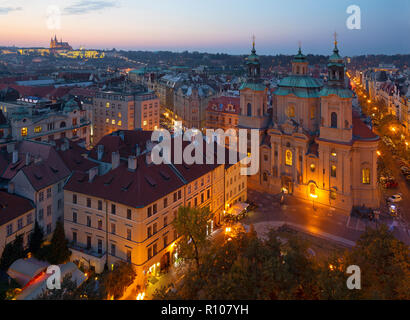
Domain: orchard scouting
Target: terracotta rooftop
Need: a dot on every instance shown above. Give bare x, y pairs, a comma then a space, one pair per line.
12, 206
360, 130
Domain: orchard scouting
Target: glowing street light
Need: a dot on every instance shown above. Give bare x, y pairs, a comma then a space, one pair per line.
313, 196
378, 153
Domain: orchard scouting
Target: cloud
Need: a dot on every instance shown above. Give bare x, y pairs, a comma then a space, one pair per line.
88, 6
7, 10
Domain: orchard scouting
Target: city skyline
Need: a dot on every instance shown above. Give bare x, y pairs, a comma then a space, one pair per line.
211, 27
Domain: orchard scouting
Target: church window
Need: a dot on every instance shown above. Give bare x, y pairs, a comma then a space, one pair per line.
366, 176
288, 158
333, 120
291, 111
249, 113
333, 171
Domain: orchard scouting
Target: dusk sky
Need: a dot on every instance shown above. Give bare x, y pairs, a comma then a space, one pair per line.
211, 25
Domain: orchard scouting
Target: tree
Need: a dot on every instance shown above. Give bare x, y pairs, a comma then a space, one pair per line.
12, 251
384, 263
191, 226
67, 291
116, 281
58, 250
36, 239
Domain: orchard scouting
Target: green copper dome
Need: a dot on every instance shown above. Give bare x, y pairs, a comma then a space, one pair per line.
300, 82
300, 57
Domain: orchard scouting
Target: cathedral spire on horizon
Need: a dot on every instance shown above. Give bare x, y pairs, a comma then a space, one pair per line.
253, 44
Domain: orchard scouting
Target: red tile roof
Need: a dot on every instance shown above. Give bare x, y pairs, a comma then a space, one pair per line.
146, 184
13, 206
360, 130
74, 156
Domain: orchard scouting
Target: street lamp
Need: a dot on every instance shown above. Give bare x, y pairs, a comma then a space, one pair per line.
313, 196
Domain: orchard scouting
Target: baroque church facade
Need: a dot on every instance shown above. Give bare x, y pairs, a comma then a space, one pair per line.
312, 144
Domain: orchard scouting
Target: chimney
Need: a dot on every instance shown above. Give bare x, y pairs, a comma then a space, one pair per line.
28, 158
11, 147
92, 173
10, 187
132, 163
137, 149
15, 156
100, 152
115, 160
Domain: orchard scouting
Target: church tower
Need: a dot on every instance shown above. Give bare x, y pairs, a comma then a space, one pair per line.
300, 64
253, 96
336, 102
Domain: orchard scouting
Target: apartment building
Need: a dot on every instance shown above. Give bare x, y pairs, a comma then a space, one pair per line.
16, 218
124, 110
43, 121
124, 210
223, 113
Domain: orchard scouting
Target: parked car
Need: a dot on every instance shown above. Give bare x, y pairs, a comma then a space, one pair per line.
395, 198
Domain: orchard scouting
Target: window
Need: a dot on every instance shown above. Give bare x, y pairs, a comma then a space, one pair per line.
29, 219
19, 224
113, 208
88, 242
48, 193
175, 196
149, 231
99, 246
37, 129
265, 176
128, 234
40, 214
288, 158
99, 224
88, 221
41, 196
208, 193
99, 204
202, 198
312, 112
154, 249
195, 202
9, 229
59, 189
113, 228
23, 132
74, 237
333, 193
265, 157
154, 228
154, 208
165, 202
165, 221
74, 217
49, 211
129, 216
333, 171
128, 255
74, 198
366, 176
179, 194
89, 202
290, 111
333, 120
113, 249
249, 110
149, 212
48, 228
149, 252
165, 241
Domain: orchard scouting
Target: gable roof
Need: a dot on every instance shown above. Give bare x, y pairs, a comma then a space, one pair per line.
12, 207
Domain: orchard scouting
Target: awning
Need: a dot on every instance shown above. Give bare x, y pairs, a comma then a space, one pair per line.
238, 208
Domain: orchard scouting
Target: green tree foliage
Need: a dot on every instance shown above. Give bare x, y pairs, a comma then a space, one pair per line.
116, 281
274, 268
67, 291
190, 225
36, 239
12, 251
58, 250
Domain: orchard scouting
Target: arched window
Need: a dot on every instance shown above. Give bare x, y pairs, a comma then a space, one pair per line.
333, 120
291, 111
62, 124
366, 176
288, 158
249, 113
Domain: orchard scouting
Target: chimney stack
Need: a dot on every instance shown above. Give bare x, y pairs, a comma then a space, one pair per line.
92, 173
10, 188
15, 156
132, 163
28, 158
115, 160
100, 152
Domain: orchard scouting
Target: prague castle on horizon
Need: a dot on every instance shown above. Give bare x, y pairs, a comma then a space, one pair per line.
59, 45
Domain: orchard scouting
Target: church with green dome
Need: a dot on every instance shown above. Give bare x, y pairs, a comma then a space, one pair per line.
311, 143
